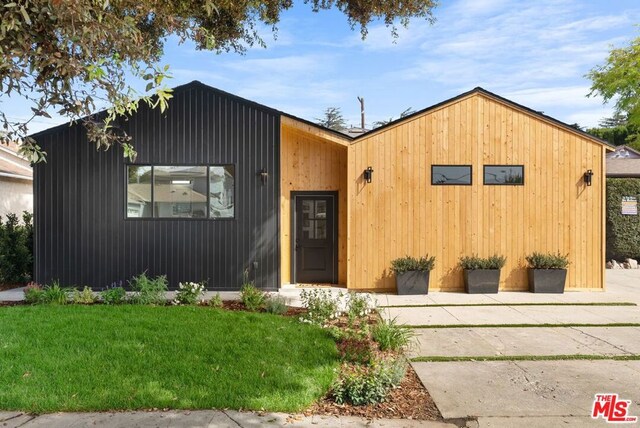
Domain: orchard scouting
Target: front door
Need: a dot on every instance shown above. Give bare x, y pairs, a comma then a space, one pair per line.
315, 238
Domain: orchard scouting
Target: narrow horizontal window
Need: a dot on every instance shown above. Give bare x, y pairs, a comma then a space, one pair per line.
180, 192
451, 175
504, 174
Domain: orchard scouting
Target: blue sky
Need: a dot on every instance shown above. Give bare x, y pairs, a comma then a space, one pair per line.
532, 52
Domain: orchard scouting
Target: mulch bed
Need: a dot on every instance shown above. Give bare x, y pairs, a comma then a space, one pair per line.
410, 400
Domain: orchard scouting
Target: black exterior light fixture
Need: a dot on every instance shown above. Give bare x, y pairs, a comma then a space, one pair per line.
264, 175
587, 177
368, 174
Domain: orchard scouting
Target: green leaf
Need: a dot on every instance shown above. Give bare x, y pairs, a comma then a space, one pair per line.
25, 15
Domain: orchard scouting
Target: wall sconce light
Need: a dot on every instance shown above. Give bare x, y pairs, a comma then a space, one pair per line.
368, 174
587, 177
264, 175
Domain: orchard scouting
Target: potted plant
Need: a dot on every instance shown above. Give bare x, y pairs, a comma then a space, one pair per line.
547, 272
482, 275
412, 274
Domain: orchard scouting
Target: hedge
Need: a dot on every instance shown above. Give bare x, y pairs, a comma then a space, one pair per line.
16, 248
623, 231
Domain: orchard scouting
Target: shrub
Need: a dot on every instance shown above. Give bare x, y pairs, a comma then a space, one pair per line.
406, 264
189, 293
148, 291
276, 304
362, 385
33, 293
359, 306
548, 261
113, 296
16, 249
475, 262
216, 301
84, 297
391, 336
252, 297
54, 294
321, 305
623, 231
356, 350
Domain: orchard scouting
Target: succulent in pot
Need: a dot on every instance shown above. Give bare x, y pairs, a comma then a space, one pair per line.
412, 274
547, 272
482, 275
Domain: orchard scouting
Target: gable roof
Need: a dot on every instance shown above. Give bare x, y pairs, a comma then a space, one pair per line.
348, 138
195, 84
623, 168
498, 98
12, 165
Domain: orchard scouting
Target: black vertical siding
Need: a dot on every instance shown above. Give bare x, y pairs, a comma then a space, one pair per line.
83, 238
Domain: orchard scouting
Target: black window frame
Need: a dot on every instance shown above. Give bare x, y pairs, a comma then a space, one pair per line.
153, 218
453, 184
484, 176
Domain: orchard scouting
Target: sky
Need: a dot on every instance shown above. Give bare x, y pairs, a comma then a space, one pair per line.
532, 52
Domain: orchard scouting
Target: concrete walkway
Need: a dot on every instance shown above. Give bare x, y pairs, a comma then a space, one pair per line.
528, 393
200, 418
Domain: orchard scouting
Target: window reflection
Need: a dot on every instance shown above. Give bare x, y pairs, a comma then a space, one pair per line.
451, 174
504, 174
139, 191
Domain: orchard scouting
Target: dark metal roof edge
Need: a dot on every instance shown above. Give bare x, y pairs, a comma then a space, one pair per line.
483, 91
195, 84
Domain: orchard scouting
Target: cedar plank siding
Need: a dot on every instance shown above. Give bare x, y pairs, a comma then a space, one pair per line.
400, 213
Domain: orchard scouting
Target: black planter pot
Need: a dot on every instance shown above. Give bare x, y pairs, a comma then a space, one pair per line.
547, 280
481, 281
413, 282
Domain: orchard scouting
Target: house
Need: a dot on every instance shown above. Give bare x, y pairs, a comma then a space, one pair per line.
623, 162
16, 181
223, 186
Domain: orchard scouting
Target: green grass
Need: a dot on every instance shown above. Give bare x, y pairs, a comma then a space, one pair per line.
78, 358
440, 359
615, 324
444, 305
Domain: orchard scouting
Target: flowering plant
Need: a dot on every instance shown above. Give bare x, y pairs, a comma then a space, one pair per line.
322, 306
189, 293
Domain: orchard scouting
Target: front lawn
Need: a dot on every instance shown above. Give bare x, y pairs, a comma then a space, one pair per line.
81, 358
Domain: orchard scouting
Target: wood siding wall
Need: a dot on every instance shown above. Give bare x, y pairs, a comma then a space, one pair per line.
401, 213
310, 162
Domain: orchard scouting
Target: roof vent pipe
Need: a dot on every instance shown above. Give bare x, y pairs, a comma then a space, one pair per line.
361, 112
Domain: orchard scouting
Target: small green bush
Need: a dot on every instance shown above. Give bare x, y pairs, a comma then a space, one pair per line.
362, 385
475, 262
359, 306
84, 297
321, 305
33, 293
391, 336
16, 248
216, 301
189, 293
148, 291
54, 294
113, 296
548, 261
252, 297
407, 264
276, 304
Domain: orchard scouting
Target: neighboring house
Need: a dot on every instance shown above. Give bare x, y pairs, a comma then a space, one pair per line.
16, 181
223, 186
623, 162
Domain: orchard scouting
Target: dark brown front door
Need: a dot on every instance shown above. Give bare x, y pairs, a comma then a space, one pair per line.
315, 237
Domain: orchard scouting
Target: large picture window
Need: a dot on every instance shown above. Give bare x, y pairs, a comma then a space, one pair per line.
504, 174
178, 192
451, 174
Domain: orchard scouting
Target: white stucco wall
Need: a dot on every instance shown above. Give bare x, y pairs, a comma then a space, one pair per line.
16, 196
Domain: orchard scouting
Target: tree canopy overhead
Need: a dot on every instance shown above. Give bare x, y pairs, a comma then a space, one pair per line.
619, 80
69, 55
